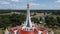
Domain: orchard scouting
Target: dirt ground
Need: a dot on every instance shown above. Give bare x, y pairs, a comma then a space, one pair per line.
1, 31
55, 31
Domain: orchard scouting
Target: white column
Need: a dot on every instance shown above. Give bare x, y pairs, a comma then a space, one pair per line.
15, 31
39, 32
6, 32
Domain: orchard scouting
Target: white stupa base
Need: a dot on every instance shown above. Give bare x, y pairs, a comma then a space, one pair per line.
15, 32
28, 28
39, 32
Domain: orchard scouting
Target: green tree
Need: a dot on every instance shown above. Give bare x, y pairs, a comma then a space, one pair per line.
50, 21
35, 20
58, 21
17, 19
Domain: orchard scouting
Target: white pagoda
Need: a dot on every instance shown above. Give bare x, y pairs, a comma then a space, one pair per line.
28, 27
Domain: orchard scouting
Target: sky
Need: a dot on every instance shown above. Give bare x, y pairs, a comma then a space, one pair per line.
34, 4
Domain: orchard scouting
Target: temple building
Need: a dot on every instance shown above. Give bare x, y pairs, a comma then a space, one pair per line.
28, 27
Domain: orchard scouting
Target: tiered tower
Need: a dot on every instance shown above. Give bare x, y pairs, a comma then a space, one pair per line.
28, 23
28, 19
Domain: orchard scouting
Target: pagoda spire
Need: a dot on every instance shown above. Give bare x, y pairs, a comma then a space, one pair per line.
28, 19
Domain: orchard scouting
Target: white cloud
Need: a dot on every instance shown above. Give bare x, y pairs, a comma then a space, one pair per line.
22, 0
58, 1
37, 6
15, 0
18, 0
34, 4
41, 6
4, 2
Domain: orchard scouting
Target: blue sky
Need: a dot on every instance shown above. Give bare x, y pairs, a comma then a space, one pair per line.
34, 4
